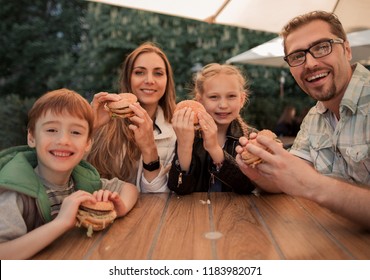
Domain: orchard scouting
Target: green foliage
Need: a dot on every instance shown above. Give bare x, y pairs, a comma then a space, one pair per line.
116, 31
36, 38
50, 44
13, 125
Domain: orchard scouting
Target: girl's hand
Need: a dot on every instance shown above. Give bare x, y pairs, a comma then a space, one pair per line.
69, 208
102, 116
209, 132
183, 125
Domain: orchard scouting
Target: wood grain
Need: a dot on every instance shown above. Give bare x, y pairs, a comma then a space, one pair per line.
349, 236
183, 229
132, 236
295, 232
71, 246
167, 226
244, 235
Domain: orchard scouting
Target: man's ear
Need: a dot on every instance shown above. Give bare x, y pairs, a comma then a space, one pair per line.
348, 50
31, 140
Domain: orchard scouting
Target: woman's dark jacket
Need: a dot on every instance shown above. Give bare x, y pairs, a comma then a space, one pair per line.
202, 170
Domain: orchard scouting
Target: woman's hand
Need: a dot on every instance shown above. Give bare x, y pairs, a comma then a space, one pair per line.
142, 126
101, 115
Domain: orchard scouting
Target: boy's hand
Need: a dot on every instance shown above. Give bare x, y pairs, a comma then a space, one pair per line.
105, 195
69, 208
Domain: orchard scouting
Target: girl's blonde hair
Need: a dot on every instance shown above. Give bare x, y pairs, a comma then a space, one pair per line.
58, 102
114, 152
214, 69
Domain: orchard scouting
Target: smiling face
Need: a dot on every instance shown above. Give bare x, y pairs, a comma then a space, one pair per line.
324, 78
149, 79
61, 141
222, 98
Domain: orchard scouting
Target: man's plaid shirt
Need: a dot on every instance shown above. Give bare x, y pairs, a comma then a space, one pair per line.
343, 151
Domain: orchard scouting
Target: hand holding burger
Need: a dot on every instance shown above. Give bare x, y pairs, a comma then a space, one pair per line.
95, 216
195, 107
121, 107
251, 159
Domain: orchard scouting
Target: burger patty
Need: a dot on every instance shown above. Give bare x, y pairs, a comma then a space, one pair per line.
96, 212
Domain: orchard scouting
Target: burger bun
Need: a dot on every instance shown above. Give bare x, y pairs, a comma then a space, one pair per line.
195, 106
251, 159
121, 107
95, 216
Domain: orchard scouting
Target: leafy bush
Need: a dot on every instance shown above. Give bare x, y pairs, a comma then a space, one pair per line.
13, 125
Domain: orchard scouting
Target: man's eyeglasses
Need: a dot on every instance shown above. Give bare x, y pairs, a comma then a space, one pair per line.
319, 50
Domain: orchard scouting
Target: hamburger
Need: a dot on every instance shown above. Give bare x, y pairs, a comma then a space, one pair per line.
121, 107
95, 216
195, 107
251, 159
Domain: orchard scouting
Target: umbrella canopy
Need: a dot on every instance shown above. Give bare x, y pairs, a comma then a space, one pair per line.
265, 15
271, 53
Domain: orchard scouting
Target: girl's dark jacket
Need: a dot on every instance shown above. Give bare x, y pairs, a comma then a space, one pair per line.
202, 170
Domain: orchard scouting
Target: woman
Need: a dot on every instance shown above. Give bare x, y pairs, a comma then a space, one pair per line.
140, 148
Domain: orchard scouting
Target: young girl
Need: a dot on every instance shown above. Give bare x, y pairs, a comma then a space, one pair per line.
207, 163
139, 149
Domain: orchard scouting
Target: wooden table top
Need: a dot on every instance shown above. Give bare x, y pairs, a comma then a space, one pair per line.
230, 226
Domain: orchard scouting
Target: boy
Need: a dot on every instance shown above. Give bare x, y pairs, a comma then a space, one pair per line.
42, 186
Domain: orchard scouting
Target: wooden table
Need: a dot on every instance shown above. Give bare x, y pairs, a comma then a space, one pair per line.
167, 226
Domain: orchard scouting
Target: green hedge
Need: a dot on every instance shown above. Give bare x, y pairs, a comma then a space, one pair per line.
13, 115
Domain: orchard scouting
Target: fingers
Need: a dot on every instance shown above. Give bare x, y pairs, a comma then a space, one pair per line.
183, 120
239, 149
102, 195
208, 126
270, 144
139, 111
253, 135
104, 97
82, 196
243, 141
252, 173
183, 117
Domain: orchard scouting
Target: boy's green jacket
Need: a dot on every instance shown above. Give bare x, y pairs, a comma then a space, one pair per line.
17, 173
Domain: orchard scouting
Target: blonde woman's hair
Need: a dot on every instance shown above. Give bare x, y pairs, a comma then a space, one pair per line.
58, 102
214, 69
114, 151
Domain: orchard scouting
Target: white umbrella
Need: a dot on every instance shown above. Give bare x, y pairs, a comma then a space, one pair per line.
265, 15
271, 53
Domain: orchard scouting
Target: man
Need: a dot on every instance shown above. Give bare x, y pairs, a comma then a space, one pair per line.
329, 161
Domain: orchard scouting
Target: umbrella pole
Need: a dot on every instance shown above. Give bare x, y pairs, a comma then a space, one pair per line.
212, 19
